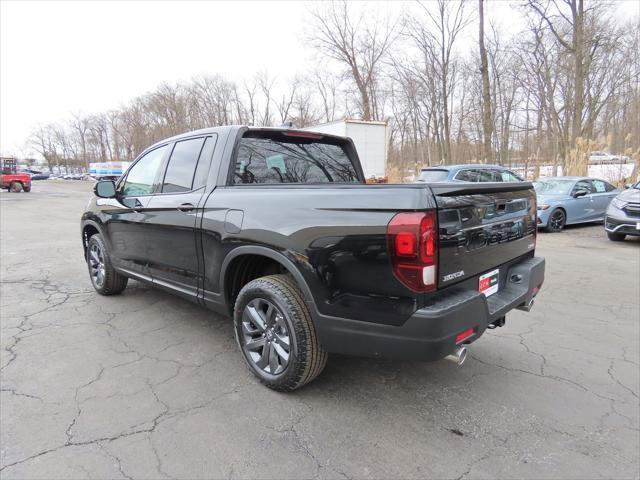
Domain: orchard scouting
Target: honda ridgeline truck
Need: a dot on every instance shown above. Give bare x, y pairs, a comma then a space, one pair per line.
277, 228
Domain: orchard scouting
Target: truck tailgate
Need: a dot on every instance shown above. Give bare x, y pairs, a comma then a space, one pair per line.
482, 226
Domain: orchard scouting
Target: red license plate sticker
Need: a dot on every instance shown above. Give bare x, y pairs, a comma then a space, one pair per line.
488, 283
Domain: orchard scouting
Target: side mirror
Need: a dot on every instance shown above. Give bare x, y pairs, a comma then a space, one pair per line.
105, 189
579, 193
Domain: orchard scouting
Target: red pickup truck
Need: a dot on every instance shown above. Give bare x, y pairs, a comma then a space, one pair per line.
11, 179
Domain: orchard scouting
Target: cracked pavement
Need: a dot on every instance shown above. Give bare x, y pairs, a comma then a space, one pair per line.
146, 385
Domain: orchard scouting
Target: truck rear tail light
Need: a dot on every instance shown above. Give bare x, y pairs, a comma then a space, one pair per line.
412, 246
406, 244
462, 336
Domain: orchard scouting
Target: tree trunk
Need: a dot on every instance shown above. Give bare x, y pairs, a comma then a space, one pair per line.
577, 8
486, 95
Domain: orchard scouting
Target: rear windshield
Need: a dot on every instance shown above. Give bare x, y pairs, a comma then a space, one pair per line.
433, 176
266, 158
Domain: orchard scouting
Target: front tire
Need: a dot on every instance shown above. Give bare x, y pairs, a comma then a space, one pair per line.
15, 187
104, 278
276, 335
557, 221
616, 237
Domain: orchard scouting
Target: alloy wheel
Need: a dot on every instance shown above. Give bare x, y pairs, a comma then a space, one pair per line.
96, 265
557, 220
265, 336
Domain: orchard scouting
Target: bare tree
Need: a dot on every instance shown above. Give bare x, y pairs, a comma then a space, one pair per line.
435, 36
360, 47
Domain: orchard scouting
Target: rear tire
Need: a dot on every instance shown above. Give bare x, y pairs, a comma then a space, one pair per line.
616, 237
276, 335
15, 187
557, 221
104, 278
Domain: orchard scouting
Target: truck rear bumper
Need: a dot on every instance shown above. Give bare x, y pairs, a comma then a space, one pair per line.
430, 333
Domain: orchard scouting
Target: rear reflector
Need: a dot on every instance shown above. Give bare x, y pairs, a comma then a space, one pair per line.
462, 336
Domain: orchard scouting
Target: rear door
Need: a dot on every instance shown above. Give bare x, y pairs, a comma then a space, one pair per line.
173, 210
604, 193
482, 226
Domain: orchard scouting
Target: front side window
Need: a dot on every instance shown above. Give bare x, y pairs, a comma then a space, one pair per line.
140, 178
278, 159
182, 166
583, 185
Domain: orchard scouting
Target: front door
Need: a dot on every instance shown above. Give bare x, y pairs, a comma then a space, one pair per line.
581, 208
126, 213
173, 213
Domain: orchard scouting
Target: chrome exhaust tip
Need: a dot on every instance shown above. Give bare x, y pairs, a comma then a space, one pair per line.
526, 306
459, 355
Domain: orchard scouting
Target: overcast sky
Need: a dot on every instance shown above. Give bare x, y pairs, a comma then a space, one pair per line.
58, 58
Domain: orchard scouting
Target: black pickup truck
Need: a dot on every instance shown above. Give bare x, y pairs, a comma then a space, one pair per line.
277, 228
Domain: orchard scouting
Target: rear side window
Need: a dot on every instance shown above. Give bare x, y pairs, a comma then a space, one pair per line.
182, 166
489, 175
467, 176
601, 186
278, 159
204, 163
433, 176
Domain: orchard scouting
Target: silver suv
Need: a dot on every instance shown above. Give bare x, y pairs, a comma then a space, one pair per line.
623, 214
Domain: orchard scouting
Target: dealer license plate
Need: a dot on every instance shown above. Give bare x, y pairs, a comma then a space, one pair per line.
488, 283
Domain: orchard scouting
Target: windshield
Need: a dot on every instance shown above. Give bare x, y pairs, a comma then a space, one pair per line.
433, 176
553, 187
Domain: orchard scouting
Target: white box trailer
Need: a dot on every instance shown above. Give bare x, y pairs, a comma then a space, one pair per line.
370, 139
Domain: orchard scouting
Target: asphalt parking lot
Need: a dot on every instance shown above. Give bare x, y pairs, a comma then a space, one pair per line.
146, 385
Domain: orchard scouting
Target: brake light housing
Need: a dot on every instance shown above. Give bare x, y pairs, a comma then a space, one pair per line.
412, 243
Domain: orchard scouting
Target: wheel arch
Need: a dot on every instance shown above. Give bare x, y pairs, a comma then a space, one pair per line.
89, 228
249, 253
564, 210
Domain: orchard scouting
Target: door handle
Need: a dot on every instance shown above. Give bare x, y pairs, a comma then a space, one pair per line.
186, 207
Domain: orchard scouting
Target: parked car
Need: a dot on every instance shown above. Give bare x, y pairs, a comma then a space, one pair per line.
11, 179
278, 229
570, 200
623, 215
40, 176
604, 157
467, 173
